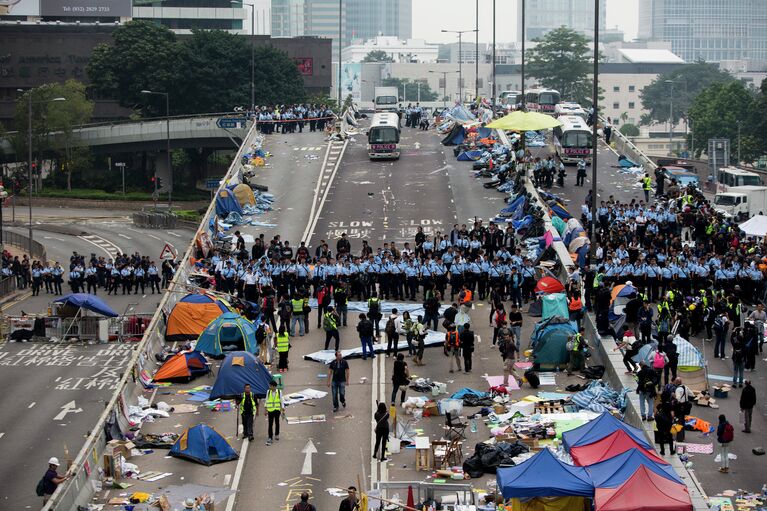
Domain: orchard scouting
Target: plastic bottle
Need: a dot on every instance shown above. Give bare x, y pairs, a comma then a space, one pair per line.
473, 425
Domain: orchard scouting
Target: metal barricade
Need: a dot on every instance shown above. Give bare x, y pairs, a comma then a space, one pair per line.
459, 493
7, 286
130, 328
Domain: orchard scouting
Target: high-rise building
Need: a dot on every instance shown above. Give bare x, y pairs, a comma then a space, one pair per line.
711, 30
360, 19
542, 16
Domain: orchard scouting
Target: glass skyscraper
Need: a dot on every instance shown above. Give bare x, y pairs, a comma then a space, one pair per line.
360, 19
542, 16
711, 30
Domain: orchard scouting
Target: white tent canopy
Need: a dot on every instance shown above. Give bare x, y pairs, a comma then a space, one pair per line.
755, 226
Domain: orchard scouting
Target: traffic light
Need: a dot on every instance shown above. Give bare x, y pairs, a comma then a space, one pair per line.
159, 183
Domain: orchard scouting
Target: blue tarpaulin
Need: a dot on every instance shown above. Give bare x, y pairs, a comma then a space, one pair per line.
469, 155
597, 429
86, 301
600, 397
544, 475
468, 392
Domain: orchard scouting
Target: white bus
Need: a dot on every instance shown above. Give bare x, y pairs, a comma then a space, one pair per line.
542, 100
732, 177
573, 139
383, 136
566, 108
510, 98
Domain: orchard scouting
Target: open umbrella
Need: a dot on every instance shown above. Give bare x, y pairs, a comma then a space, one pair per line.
87, 301
525, 121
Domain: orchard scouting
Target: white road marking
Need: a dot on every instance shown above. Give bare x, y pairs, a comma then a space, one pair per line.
237, 474
316, 209
308, 450
173, 234
32, 404
2, 435
107, 246
123, 236
227, 479
154, 237
67, 408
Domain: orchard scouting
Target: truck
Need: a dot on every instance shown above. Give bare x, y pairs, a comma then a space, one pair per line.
742, 202
386, 99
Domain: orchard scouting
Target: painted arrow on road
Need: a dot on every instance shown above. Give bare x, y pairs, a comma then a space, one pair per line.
70, 408
308, 449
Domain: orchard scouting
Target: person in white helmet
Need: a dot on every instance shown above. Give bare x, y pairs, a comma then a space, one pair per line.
51, 480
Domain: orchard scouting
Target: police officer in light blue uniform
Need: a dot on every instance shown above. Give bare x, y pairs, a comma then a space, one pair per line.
153, 275
457, 270
91, 279
74, 279
37, 278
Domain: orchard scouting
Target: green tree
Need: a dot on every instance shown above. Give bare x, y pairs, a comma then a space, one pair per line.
718, 110
562, 60
142, 56
377, 56
277, 78
411, 89
688, 81
214, 71
54, 122
759, 126
630, 130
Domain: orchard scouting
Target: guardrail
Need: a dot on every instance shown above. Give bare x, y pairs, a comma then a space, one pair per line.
85, 470
626, 147
22, 242
7, 286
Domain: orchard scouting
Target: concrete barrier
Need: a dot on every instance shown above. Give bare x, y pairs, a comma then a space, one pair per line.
85, 469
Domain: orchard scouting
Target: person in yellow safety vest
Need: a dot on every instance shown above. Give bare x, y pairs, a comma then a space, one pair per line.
274, 407
248, 410
282, 343
646, 187
576, 345
297, 306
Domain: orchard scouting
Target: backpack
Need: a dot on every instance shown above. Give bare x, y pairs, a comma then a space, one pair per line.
269, 303
40, 488
728, 434
719, 323
389, 328
659, 360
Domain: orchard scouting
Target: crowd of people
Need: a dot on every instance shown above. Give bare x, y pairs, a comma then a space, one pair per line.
292, 118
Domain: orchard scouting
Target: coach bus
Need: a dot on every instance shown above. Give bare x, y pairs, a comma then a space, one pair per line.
542, 100
573, 139
383, 136
567, 108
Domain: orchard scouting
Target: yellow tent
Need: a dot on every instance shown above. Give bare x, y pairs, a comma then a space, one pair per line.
244, 194
524, 121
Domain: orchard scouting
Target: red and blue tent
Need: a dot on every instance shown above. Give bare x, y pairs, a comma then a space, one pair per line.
645, 490
597, 429
544, 475
616, 471
610, 446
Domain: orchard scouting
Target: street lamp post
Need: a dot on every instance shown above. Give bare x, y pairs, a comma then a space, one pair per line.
460, 59
594, 139
738, 141
167, 143
494, 86
252, 52
340, 37
670, 118
444, 84
476, 51
29, 161
522, 70
3, 196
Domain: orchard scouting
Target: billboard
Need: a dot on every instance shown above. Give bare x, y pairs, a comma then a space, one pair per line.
19, 7
351, 81
305, 65
86, 8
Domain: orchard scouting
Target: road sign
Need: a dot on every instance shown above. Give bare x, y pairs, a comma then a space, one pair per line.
167, 252
66, 409
231, 122
308, 449
212, 184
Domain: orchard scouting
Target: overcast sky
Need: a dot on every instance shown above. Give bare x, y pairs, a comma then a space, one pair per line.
431, 16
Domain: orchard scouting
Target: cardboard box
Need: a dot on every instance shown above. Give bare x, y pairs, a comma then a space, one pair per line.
123, 447
431, 409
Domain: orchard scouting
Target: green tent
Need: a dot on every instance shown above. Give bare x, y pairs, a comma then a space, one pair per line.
549, 342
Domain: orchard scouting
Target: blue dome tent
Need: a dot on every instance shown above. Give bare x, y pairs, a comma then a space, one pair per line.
228, 332
613, 472
226, 202
239, 368
549, 342
203, 444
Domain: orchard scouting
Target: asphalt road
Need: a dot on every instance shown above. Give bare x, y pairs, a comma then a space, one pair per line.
39, 379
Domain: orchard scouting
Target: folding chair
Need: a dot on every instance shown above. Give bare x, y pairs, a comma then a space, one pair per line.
455, 428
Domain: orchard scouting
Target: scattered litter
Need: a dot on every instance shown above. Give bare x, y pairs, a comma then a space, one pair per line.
304, 395
697, 448
497, 381
306, 419
337, 492
730, 456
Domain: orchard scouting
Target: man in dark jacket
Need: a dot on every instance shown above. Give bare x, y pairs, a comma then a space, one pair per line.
365, 331
467, 346
747, 403
646, 390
